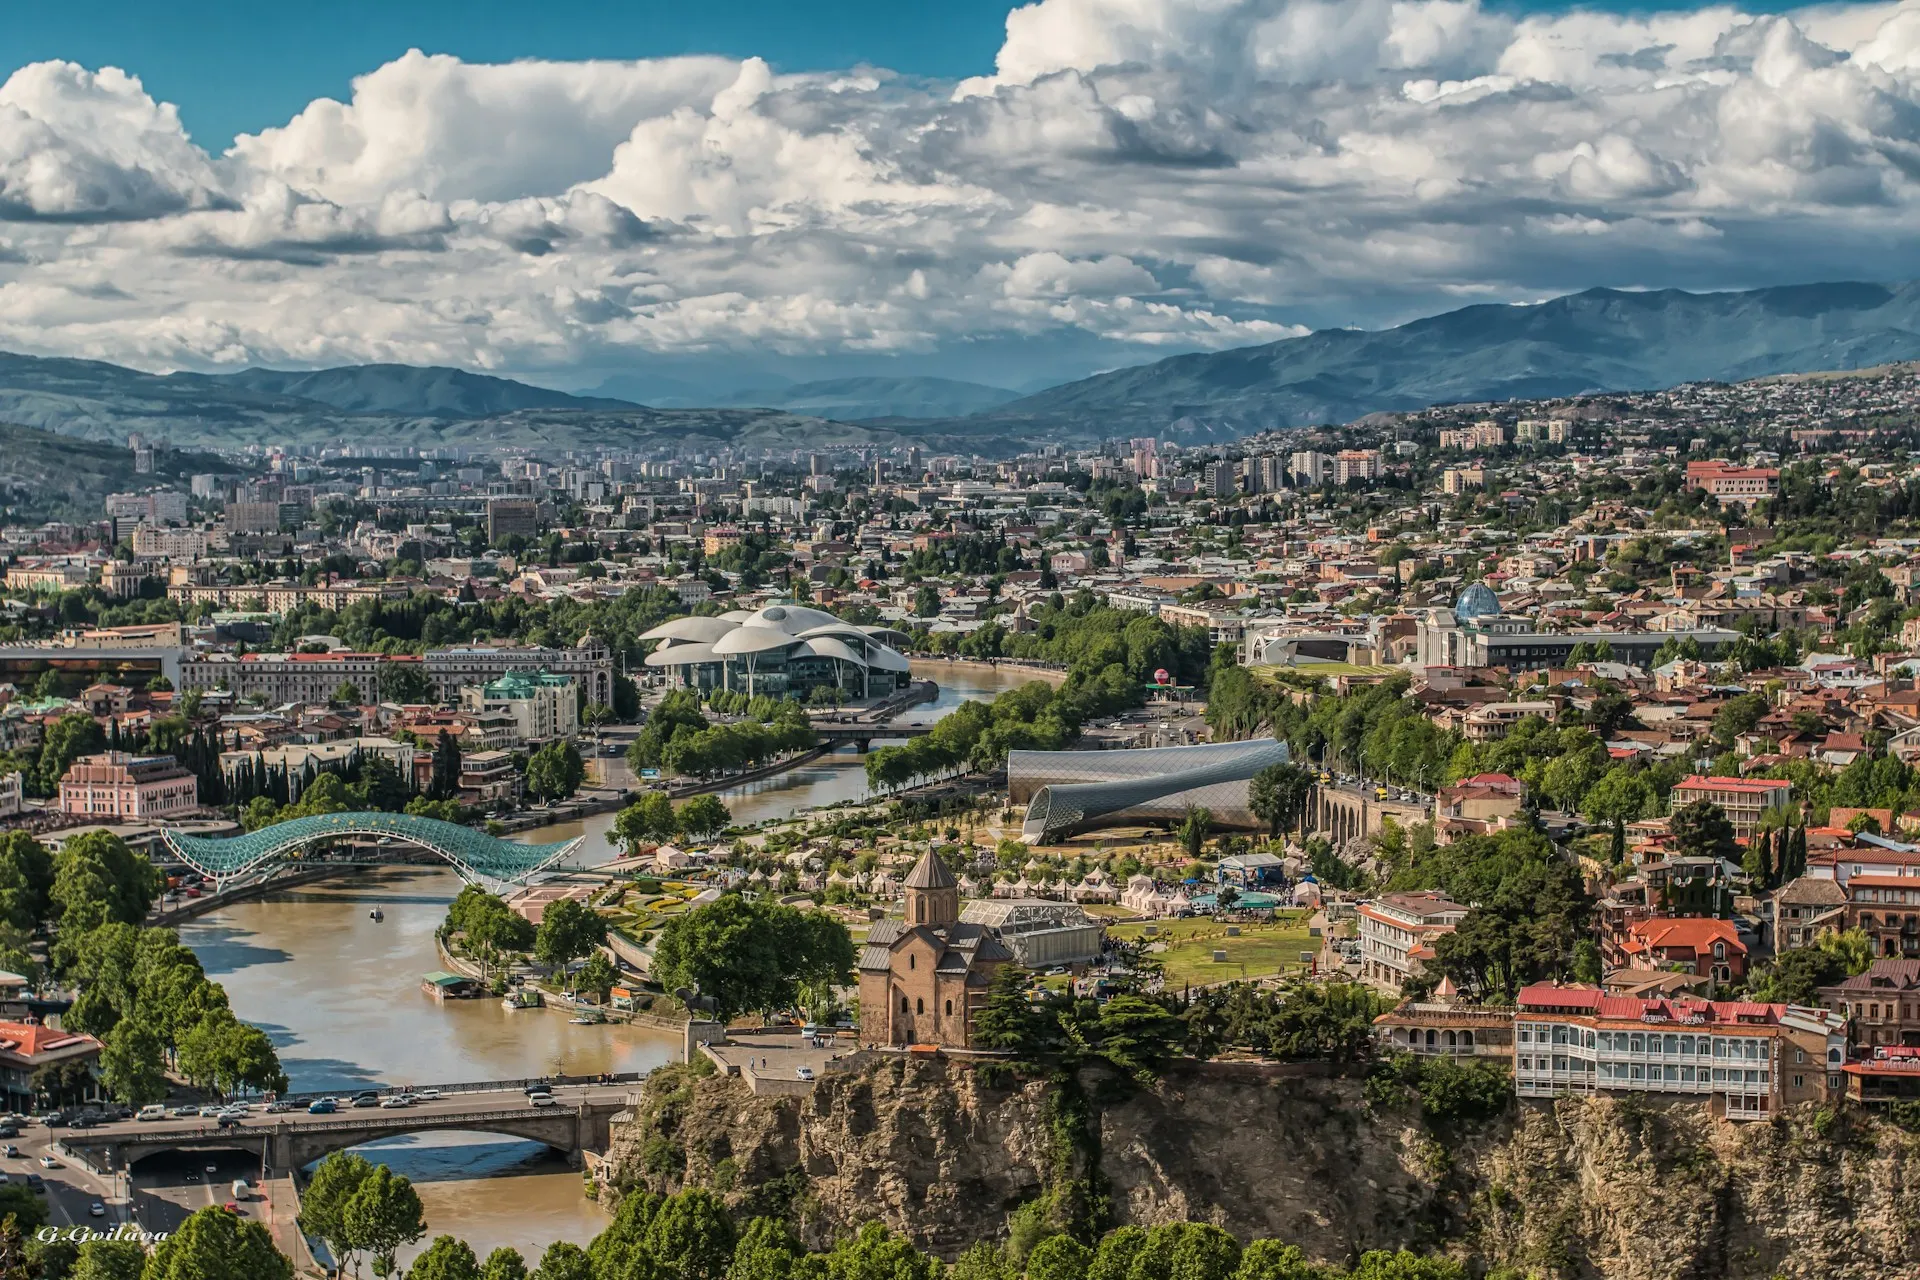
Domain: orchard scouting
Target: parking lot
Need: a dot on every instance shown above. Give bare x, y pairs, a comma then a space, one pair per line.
778, 1057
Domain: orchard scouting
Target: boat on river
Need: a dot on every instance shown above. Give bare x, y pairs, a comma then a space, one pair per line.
587, 1018
376, 915
523, 999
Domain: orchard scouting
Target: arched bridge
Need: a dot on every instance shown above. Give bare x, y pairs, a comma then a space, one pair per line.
862, 735
478, 857
574, 1124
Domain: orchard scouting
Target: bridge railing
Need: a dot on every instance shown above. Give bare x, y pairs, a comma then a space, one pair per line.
469, 1086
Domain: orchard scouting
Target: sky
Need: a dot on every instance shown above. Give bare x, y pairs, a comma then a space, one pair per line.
752, 190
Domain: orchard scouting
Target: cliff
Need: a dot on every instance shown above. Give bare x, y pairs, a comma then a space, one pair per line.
1624, 1189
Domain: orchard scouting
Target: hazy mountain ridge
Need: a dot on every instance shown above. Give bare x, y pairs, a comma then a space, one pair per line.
1599, 340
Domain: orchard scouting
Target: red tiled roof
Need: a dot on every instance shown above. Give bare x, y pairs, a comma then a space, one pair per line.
29, 1040
1757, 786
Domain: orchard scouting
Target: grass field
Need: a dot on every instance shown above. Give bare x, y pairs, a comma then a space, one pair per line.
1260, 951
1267, 671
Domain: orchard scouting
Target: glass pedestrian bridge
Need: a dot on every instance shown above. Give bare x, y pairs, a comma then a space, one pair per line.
478, 857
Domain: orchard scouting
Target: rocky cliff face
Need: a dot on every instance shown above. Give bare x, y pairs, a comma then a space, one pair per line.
1621, 1189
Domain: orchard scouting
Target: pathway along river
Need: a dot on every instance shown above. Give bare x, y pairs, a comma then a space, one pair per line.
340, 996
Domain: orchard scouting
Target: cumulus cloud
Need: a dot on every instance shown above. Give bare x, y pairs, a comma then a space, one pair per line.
1145, 174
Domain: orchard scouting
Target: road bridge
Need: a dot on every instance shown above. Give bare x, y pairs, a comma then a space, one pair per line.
580, 1120
862, 735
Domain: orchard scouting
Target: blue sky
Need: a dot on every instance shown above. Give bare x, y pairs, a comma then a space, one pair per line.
238, 67
1136, 178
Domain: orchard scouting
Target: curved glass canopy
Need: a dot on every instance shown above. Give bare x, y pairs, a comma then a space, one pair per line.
477, 856
1076, 790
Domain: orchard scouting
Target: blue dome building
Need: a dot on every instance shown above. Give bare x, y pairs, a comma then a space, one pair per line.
1477, 601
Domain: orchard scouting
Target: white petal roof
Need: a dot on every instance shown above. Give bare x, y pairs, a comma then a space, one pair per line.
698, 630
676, 655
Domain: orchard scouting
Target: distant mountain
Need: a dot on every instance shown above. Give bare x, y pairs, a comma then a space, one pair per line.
854, 399
1599, 340
432, 392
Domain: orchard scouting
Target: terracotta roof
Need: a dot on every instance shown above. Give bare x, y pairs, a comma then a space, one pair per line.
30, 1040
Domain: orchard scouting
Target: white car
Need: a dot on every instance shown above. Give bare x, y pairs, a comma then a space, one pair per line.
97, 1210
395, 1103
152, 1111
803, 1073
427, 1095
540, 1100
48, 1162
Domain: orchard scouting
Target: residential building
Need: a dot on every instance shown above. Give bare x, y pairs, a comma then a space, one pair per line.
543, 705
1443, 1028
280, 678
152, 542
1397, 932
28, 1047
117, 785
1729, 483
1705, 946
588, 661
1804, 908
1745, 801
1308, 468
253, 517
509, 517
1747, 1060
1495, 720
1882, 1005
1356, 464
13, 795
1887, 910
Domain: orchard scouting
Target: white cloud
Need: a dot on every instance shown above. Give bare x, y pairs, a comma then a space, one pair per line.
1152, 173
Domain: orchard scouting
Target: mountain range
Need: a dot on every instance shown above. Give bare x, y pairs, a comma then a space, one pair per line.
1598, 340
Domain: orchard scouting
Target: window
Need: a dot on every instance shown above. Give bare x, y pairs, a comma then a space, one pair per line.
1638, 1041
949, 1008
1466, 1039
919, 1005
1672, 1044
903, 1004
1799, 1082
911, 961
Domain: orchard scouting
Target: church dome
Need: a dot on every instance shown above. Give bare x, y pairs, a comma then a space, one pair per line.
1477, 601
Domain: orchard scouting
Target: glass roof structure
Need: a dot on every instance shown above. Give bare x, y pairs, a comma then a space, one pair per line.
477, 856
1080, 790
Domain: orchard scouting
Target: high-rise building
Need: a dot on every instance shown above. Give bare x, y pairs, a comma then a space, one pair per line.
1309, 468
509, 516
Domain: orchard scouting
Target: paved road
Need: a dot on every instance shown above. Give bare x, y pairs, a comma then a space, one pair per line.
168, 1187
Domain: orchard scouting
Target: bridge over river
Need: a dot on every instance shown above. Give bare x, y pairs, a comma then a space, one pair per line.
579, 1120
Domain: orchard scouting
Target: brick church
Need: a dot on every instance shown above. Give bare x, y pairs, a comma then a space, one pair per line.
923, 978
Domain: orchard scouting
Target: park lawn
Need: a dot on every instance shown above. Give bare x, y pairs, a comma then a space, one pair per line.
1260, 951
1108, 911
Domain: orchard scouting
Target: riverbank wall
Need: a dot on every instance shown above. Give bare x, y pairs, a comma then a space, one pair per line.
694, 787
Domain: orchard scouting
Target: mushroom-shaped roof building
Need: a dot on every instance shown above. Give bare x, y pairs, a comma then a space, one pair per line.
779, 648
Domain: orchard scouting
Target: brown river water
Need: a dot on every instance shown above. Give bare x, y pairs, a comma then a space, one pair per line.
339, 993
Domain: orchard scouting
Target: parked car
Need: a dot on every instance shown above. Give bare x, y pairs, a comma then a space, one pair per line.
10, 1151
36, 1184
803, 1073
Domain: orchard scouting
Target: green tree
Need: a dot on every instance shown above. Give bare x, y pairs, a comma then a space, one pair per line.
1701, 830
446, 1259
1193, 830
568, 930
875, 1253
1008, 1020
97, 879
555, 771
649, 820
323, 1204
1059, 1257
346, 694
213, 1244
766, 1250
63, 742
108, 1260
1271, 1260
597, 976
1278, 796
693, 1230
704, 816
381, 1215
504, 1264
752, 955
131, 1063
26, 881
444, 782
565, 1260
1186, 1251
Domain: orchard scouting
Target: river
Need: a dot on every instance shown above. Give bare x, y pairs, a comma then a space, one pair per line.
339, 994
